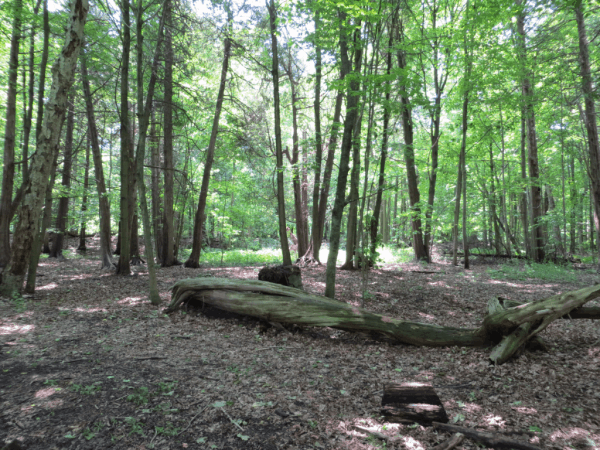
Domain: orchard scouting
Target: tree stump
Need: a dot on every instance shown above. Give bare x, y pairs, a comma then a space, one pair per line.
283, 275
412, 402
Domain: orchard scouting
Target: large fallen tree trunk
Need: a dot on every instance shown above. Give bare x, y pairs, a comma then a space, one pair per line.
510, 327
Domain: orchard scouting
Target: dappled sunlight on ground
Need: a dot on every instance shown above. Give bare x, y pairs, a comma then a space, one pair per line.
576, 436
496, 421
133, 301
45, 393
13, 328
47, 287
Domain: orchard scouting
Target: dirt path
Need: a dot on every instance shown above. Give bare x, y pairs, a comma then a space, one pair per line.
88, 363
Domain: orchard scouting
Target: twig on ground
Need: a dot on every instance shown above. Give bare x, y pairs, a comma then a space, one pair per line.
492, 440
376, 434
193, 418
451, 443
231, 420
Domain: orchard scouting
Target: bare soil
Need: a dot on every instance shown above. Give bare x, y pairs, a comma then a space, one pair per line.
88, 363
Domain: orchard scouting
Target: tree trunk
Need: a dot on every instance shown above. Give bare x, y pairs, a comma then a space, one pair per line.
168, 257
156, 209
86, 184
353, 224
41, 164
285, 249
63, 202
194, 258
123, 267
144, 120
352, 99
419, 245
103, 206
301, 225
493, 212
8, 167
591, 126
316, 234
532, 156
384, 141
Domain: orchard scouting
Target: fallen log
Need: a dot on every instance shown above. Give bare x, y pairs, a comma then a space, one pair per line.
275, 303
510, 328
583, 312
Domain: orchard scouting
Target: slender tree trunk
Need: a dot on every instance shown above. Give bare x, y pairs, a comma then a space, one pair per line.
384, 141
532, 156
30, 95
493, 212
86, 184
350, 121
63, 202
287, 260
316, 233
352, 225
301, 225
8, 168
419, 245
200, 217
168, 258
523, 200
103, 205
123, 267
156, 207
144, 120
590, 116
30, 208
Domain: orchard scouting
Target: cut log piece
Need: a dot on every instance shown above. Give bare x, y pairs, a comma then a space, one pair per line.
491, 440
412, 402
275, 303
283, 275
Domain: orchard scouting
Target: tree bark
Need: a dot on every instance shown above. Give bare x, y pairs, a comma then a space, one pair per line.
103, 205
63, 202
352, 99
420, 246
124, 268
29, 211
168, 258
156, 207
316, 234
285, 249
86, 184
591, 126
532, 156
144, 121
8, 158
384, 141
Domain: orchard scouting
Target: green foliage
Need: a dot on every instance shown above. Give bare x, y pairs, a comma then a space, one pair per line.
167, 430
515, 270
141, 396
86, 390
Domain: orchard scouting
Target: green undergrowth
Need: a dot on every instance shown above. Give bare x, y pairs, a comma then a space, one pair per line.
241, 257
516, 270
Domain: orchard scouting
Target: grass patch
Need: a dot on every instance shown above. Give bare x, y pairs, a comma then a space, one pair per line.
241, 257
515, 270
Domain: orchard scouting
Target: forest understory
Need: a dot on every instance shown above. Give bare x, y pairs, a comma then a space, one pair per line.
88, 363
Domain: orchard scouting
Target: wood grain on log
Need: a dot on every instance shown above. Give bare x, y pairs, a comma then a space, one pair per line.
414, 402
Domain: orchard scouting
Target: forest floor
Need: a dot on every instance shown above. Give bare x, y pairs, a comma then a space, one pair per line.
89, 363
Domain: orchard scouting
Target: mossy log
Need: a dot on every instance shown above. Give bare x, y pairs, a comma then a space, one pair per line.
275, 303
509, 328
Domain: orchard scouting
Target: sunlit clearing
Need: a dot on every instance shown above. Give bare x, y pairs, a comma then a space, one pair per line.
45, 393
496, 421
131, 301
13, 328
